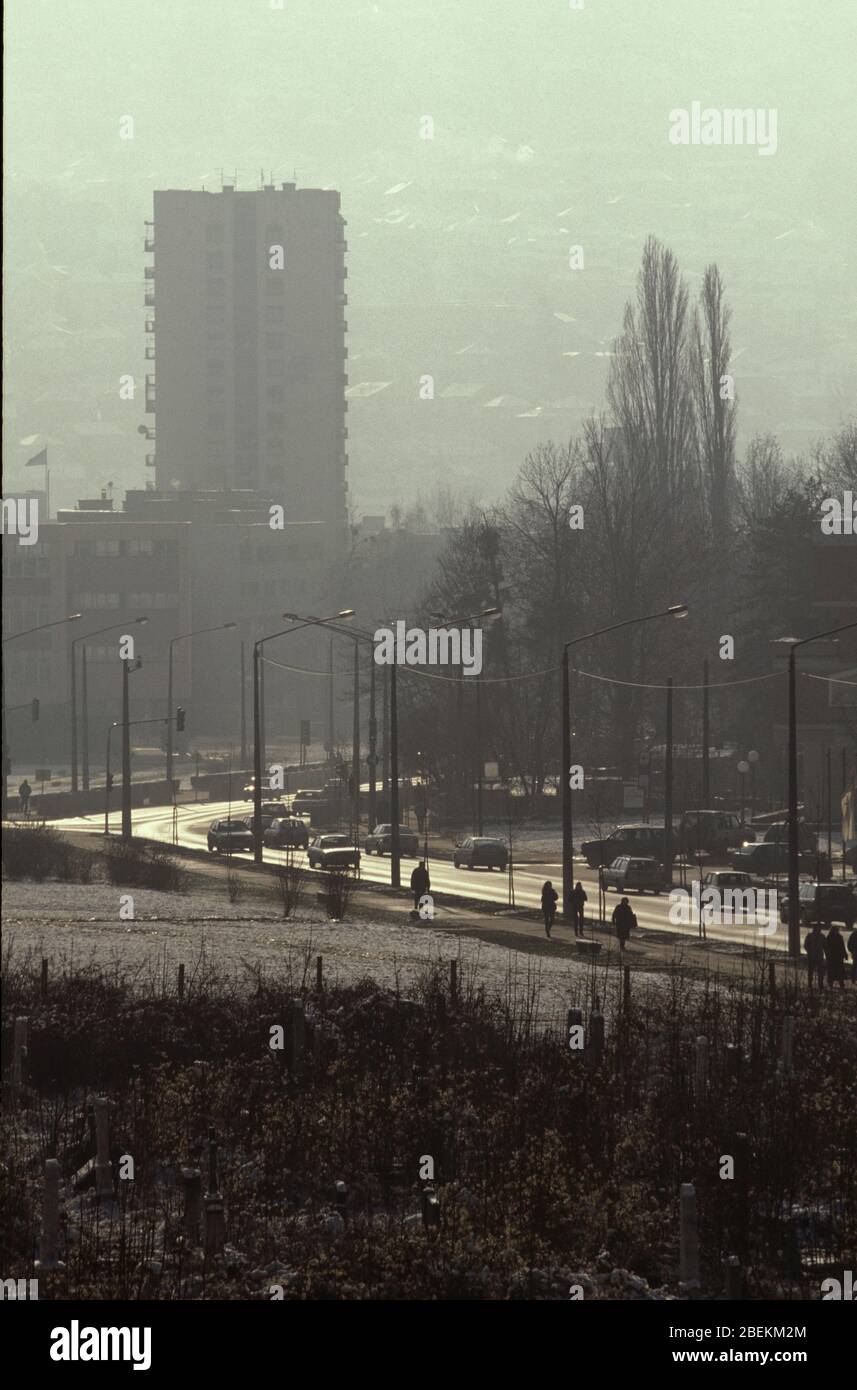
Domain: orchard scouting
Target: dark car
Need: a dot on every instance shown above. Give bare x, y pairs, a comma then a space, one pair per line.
479, 851
824, 903
229, 835
333, 851
381, 839
772, 857
626, 873
640, 841
271, 811
712, 831
288, 832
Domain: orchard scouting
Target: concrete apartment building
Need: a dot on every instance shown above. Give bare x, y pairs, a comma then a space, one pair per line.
246, 343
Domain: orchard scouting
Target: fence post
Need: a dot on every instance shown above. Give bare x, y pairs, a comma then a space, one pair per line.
103, 1169
688, 1239
453, 980
319, 974
44, 984
215, 1220
701, 1067
49, 1240
192, 1184
786, 1058
181, 982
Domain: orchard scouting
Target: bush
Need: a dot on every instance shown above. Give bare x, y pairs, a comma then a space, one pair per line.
39, 852
143, 866
337, 892
289, 885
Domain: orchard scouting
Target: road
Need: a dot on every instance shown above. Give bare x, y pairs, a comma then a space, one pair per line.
483, 885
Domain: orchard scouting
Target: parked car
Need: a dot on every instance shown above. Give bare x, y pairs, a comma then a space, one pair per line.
380, 841
639, 841
642, 874
772, 857
480, 851
824, 903
332, 851
288, 832
229, 835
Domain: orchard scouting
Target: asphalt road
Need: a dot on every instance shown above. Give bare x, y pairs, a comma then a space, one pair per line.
484, 885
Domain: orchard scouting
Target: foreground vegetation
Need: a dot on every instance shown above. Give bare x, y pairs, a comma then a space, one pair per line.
549, 1163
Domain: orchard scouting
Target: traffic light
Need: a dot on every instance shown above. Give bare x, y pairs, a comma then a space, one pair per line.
180, 717
34, 711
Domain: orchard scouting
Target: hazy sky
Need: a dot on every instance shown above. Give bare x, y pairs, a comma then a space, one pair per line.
550, 129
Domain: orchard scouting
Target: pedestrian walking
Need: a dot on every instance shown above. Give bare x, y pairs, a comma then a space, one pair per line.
815, 957
852, 946
578, 898
834, 950
549, 902
420, 881
24, 793
624, 920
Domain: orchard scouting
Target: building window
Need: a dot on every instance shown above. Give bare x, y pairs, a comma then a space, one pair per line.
107, 549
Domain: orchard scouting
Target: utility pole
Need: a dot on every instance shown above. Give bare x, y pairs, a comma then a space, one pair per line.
355, 749
331, 739
126, 754
373, 742
706, 739
243, 708
565, 787
84, 688
73, 679
257, 756
395, 848
668, 790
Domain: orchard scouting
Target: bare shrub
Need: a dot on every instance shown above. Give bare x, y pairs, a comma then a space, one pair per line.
39, 852
234, 885
338, 884
289, 885
143, 866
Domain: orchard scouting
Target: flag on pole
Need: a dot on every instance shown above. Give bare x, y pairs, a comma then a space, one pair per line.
39, 460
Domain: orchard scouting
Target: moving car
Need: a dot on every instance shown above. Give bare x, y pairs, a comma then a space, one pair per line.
772, 857
480, 851
288, 832
333, 851
267, 789
639, 841
721, 879
824, 903
642, 874
380, 841
229, 835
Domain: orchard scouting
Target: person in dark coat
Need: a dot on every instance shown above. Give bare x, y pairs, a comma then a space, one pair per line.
624, 920
420, 881
578, 898
550, 898
834, 950
852, 946
24, 794
815, 956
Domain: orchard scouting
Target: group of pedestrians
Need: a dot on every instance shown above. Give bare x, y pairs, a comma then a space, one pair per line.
826, 956
624, 918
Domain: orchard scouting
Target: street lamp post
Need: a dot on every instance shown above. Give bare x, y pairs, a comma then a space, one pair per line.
491, 614
258, 714
13, 637
794, 869
81, 641
181, 637
678, 610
